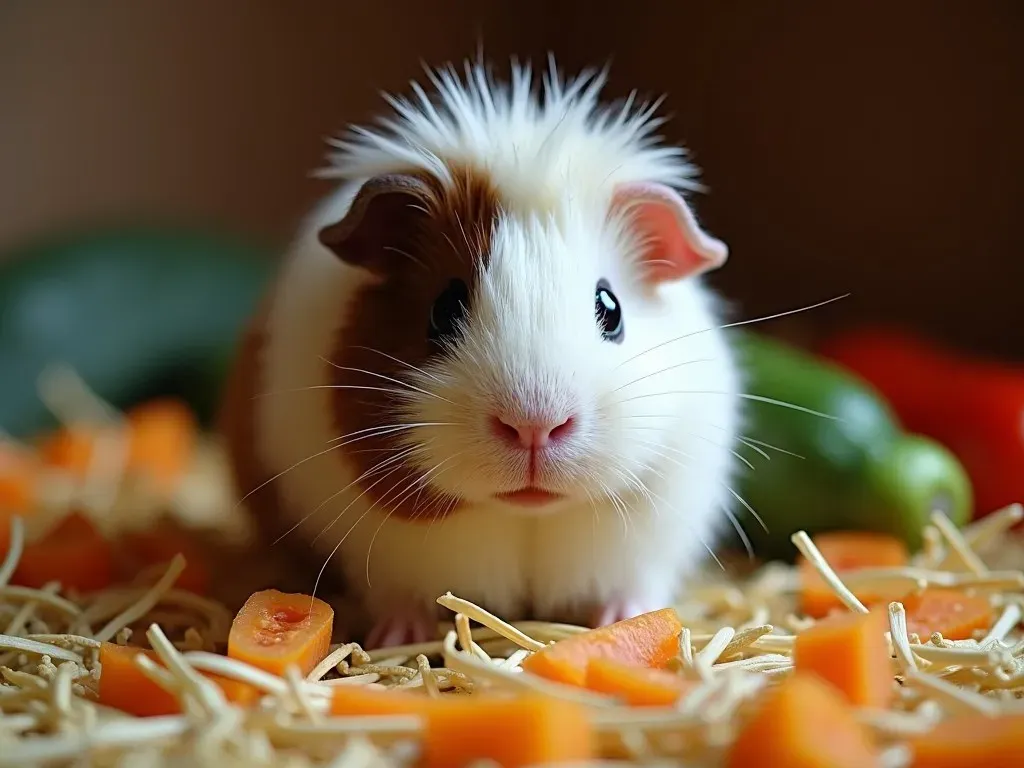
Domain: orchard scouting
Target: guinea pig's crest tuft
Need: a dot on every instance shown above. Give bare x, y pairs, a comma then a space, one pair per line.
529, 142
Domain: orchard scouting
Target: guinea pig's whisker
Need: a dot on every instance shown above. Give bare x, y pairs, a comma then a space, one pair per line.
742, 395
699, 436
368, 473
439, 512
632, 479
390, 429
389, 390
443, 514
663, 370
656, 472
752, 443
750, 509
380, 466
738, 455
410, 366
620, 506
353, 501
283, 472
435, 494
733, 325
753, 447
697, 535
654, 448
386, 449
590, 496
391, 507
341, 541
410, 489
393, 380
739, 530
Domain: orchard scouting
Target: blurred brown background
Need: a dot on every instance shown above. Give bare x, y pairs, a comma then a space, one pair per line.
872, 148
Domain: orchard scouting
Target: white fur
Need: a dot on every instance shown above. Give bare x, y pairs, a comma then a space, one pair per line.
664, 419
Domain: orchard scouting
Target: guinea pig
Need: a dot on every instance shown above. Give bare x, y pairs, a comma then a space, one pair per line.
490, 365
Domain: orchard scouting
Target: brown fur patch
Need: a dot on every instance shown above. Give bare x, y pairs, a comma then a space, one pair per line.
448, 239
237, 427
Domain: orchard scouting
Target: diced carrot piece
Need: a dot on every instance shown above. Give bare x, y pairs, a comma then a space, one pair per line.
19, 474
73, 553
850, 651
637, 686
162, 440
848, 551
518, 731
160, 546
513, 732
69, 449
124, 686
804, 722
952, 613
648, 640
19, 480
355, 700
275, 629
971, 740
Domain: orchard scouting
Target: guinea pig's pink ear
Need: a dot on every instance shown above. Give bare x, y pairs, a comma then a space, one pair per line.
674, 245
381, 223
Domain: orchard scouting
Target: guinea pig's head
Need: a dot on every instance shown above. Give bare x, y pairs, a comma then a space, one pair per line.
520, 347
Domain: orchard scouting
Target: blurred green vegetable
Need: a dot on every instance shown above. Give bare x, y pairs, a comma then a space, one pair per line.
136, 312
858, 469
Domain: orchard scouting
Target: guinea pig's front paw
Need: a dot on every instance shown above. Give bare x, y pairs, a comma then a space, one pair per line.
619, 609
401, 626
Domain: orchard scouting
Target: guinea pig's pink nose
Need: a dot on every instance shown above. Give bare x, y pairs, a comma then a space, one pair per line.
531, 434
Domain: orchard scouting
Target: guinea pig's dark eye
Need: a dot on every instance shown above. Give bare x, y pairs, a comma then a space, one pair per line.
449, 308
609, 312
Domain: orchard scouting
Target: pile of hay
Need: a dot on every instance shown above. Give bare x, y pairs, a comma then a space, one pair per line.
738, 638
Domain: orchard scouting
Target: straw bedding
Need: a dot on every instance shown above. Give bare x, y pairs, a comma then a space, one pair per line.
738, 637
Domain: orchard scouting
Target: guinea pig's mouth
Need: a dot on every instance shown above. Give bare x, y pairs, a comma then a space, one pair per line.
531, 496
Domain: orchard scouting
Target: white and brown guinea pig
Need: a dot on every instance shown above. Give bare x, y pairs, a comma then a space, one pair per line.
489, 364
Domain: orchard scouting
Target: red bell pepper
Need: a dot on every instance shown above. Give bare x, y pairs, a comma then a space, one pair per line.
972, 405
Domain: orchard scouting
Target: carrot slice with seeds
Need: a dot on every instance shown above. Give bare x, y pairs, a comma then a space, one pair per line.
637, 686
648, 640
275, 629
124, 686
804, 722
971, 740
513, 732
954, 614
848, 551
850, 651
73, 553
